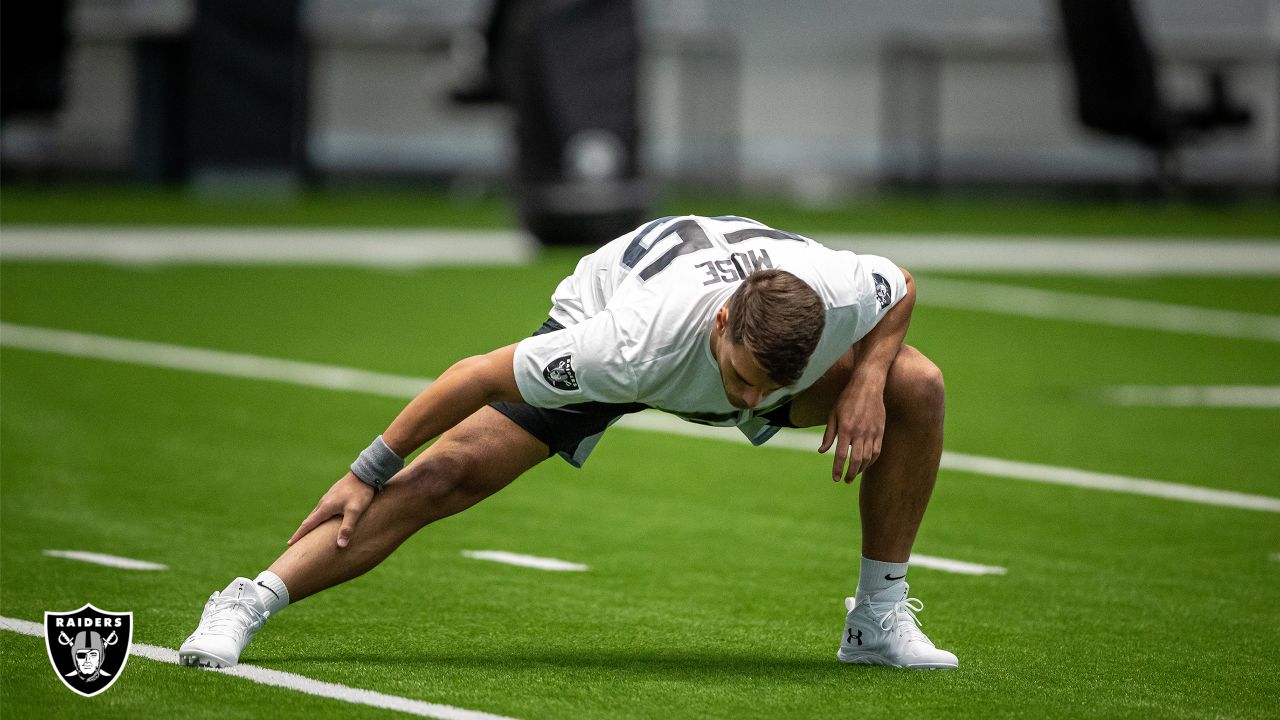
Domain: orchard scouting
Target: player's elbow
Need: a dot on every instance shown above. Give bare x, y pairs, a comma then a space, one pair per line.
906, 277
467, 367
909, 296
493, 374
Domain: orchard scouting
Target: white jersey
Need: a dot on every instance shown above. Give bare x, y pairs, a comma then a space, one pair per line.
638, 315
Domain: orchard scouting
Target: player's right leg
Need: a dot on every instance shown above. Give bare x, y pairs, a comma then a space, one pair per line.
881, 626
470, 462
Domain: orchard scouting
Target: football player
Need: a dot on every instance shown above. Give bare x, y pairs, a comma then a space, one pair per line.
721, 321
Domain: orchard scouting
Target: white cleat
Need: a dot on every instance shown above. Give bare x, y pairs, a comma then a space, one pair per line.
882, 629
230, 619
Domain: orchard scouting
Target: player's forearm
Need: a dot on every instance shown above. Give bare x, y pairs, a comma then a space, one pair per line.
464, 388
877, 349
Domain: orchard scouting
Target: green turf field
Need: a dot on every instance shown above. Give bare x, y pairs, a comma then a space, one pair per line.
717, 570
973, 212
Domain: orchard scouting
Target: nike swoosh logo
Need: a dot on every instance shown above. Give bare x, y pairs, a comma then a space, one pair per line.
886, 577
273, 592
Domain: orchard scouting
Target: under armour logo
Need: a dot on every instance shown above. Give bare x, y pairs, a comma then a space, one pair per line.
853, 637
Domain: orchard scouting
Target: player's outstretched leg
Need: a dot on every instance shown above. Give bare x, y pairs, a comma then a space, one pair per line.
881, 626
474, 460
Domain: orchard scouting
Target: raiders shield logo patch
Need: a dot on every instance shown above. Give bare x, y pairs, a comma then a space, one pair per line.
559, 374
88, 647
884, 294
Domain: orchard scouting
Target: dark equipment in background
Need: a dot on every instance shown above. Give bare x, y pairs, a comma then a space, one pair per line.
224, 105
1118, 86
34, 40
33, 47
570, 71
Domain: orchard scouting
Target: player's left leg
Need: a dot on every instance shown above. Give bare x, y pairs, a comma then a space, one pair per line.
881, 626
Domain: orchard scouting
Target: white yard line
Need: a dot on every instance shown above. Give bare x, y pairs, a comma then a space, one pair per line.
266, 246
960, 253
1095, 256
955, 566
995, 467
1096, 310
114, 561
290, 681
979, 254
528, 561
988, 466
340, 378
215, 362
552, 564
1211, 396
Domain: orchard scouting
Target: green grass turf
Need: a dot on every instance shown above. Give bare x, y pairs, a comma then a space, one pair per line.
972, 213
718, 569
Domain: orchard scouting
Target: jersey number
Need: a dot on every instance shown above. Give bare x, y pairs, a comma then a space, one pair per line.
692, 239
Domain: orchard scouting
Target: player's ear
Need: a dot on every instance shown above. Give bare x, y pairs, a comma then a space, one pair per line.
722, 318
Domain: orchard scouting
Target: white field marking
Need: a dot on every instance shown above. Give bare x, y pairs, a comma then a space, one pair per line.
1275, 556
348, 379
216, 362
1097, 256
529, 561
289, 681
266, 246
995, 467
114, 561
989, 466
1096, 309
1213, 396
540, 563
410, 248
955, 566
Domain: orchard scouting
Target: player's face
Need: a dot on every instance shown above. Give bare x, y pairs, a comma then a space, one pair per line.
745, 383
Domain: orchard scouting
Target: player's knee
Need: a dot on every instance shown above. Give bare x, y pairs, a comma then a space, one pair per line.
440, 473
930, 388
921, 390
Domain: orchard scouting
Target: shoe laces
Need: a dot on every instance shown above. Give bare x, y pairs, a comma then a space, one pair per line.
902, 616
227, 615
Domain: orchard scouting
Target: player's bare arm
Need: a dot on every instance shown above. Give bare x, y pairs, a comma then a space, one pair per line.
856, 424
467, 386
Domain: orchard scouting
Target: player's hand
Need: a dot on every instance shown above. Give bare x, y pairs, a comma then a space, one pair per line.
348, 498
856, 429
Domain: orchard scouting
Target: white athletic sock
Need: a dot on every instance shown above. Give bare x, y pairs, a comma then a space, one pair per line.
272, 591
874, 576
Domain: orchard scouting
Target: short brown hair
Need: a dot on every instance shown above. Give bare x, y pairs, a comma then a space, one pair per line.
779, 318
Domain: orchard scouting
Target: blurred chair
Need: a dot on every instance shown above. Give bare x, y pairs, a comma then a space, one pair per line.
1118, 85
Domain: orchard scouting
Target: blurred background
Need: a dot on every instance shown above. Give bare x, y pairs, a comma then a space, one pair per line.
584, 114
